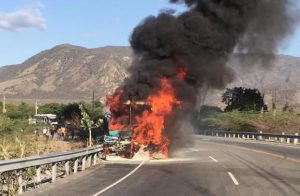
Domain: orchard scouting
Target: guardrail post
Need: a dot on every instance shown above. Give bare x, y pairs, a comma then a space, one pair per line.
253, 137
238, 136
225, 135
282, 139
288, 140
20, 182
260, 137
243, 136
54, 168
248, 137
38, 174
83, 165
296, 139
89, 160
233, 135
67, 168
76, 165
217, 134
95, 159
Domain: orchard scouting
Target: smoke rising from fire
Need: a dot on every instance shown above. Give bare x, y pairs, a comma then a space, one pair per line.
201, 39
191, 50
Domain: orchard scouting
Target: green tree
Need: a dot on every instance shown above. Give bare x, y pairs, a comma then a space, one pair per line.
21, 111
87, 122
96, 113
72, 113
51, 108
243, 99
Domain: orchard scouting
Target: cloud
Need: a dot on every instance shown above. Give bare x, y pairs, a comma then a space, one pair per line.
22, 19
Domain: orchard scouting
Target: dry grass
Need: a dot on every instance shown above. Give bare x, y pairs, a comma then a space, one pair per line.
19, 146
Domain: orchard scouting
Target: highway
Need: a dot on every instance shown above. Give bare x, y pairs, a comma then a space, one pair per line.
209, 166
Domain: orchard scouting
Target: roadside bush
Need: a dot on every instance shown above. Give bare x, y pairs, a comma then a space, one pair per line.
6, 124
22, 111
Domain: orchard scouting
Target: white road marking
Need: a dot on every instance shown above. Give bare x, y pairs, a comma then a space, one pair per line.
195, 149
233, 178
120, 180
205, 139
212, 158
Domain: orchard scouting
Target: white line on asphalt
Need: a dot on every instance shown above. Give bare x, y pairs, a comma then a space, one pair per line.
194, 149
120, 180
212, 158
233, 178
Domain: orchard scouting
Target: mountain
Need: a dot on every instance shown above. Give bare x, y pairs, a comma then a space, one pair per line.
72, 72
66, 72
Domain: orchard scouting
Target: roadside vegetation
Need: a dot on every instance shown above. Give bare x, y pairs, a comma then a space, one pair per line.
252, 121
18, 138
245, 111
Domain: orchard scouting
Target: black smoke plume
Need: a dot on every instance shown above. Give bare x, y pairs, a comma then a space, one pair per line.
201, 40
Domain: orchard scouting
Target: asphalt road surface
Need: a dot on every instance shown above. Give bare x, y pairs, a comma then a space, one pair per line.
211, 166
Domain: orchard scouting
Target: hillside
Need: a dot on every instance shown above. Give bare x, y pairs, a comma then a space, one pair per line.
66, 72
72, 72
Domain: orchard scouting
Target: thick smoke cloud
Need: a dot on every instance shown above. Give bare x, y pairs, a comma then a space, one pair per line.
200, 41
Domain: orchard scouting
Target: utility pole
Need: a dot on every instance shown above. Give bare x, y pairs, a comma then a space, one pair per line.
274, 102
93, 106
92, 120
36, 107
130, 114
4, 106
262, 107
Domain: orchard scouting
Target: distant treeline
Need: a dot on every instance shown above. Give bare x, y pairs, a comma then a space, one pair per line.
63, 111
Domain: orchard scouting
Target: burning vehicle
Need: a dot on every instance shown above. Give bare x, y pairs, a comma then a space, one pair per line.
144, 120
116, 144
119, 138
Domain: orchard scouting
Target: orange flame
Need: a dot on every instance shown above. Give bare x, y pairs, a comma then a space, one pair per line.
115, 105
150, 125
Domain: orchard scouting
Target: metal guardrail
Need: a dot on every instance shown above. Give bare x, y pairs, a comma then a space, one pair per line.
288, 138
79, 156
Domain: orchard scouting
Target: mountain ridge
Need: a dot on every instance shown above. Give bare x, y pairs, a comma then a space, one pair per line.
71, 72
65, 71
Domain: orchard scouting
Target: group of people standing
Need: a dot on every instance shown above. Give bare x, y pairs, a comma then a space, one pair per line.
50, 131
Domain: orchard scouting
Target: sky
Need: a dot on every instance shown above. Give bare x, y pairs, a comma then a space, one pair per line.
30, 26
